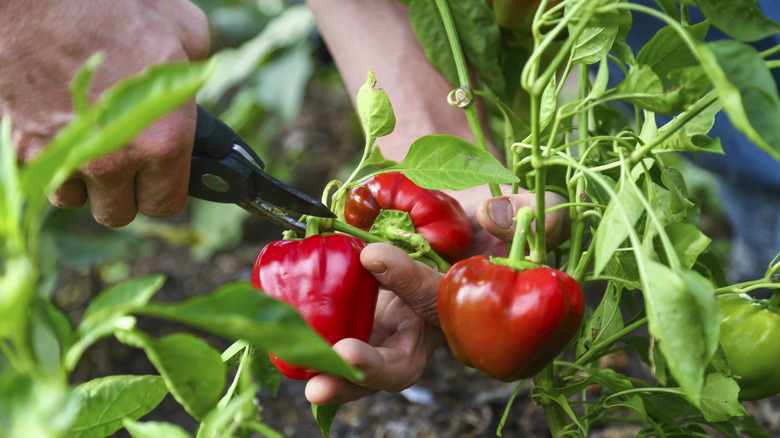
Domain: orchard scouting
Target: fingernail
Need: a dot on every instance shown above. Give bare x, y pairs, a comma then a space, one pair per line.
375, 268
501, 211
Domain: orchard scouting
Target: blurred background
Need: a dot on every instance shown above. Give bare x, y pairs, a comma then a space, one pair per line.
276, 86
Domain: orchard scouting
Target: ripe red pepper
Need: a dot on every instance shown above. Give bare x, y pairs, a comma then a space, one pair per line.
436, 216
505, 322
321, 276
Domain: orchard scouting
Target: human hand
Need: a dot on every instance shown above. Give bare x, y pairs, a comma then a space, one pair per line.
43, 47
406, 331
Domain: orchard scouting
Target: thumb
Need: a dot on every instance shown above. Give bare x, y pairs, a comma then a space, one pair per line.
414, 282
496, 215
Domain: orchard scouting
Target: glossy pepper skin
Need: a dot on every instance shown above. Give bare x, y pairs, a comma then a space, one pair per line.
321, 276
507, 323
750, 338
436, 216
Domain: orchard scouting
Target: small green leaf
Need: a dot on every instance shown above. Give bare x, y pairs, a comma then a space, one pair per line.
596, 40
605, 321
79, 86
220, 418
688, 242
265, 371
107, 401
376, 159
154, 429
446, 162
374, 109
193, 371
740, 19
107, 308
324, 415
121, 112
746, 89
719, 398
239, 311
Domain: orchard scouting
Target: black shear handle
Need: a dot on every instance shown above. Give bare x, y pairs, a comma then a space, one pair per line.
223, 165
215, 139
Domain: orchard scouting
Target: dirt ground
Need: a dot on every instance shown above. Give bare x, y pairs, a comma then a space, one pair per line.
449, 401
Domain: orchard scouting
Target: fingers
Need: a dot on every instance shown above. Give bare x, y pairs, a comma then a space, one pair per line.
496, 215
393, 367
165, 149
415, 283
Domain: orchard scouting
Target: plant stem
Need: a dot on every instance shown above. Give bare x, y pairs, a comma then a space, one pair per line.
524, 217
539, 251
556, 417
594, 352
675, 125
465, 82
337, 225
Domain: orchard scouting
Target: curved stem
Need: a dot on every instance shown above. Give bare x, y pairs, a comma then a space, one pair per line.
465, 83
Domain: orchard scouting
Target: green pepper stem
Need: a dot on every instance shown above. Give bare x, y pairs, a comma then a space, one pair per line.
524, 217
337, 225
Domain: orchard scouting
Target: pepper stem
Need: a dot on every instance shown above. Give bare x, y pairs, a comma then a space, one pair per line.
524, 217
516, 259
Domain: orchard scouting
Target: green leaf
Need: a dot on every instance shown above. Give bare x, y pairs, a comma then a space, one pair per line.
709, 265
684, 316
376, 159
620, 216
120, 113
674, 181
746, 89
107, 401
719, 398
219, 419
193, 371
238, 311
446, 162
265, 371
740, 19
667, 52
595, 40
645, 89
107, 308
479, 34
692, 137
79, 86
154, 429
688, 242
605, 321
324, 415
374, 109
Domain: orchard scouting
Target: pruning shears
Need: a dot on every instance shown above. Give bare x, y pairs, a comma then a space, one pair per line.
225, 169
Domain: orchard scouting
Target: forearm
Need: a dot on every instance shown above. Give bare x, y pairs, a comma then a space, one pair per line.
377, 34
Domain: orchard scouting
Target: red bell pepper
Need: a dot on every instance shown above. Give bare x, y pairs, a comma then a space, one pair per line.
321, 276
436, 216
506, 322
